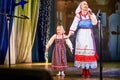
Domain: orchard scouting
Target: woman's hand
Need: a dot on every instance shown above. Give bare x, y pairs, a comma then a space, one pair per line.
71, 50
90, 11
66, 37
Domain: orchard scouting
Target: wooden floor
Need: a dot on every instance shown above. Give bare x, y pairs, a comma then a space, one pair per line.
110, 71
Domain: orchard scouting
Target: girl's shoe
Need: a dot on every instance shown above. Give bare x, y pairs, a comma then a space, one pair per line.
62, 73
59, 73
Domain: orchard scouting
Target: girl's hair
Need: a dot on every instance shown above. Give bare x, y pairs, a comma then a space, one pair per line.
62, 29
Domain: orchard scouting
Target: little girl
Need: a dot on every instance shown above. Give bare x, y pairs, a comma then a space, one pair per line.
59, 61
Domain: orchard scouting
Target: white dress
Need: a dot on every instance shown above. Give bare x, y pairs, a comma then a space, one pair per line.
85, 50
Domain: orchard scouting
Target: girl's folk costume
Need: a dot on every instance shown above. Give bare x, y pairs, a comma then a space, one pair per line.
59, 61
85, 49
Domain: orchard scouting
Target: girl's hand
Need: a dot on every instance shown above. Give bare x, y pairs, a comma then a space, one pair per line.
46, 56
46, 50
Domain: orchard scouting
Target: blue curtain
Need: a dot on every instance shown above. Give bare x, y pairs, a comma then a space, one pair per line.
44, 21
6, 7
40, 39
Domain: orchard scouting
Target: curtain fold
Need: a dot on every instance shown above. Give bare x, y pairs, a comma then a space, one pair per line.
42, 26
5, 8
23, 32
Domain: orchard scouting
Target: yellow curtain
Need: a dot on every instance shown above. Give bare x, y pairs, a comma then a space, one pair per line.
23, 32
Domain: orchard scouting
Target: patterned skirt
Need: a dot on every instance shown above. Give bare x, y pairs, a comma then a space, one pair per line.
85, 50
59, 61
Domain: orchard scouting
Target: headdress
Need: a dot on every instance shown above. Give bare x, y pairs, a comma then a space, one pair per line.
78, 8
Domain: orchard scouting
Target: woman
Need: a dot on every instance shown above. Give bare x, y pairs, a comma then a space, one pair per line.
85, 50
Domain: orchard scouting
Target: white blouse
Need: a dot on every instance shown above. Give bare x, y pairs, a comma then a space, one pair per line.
68, 42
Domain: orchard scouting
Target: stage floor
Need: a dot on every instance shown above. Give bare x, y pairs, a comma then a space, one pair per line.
110, 71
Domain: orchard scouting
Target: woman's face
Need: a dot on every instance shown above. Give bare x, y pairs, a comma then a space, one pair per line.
84, 6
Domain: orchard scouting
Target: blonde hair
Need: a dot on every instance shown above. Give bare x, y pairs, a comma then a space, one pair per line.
61, 28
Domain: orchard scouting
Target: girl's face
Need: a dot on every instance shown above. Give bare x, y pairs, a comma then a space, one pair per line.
59, 30
84, 6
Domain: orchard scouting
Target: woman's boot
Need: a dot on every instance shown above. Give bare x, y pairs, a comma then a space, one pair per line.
83, 72
87, 73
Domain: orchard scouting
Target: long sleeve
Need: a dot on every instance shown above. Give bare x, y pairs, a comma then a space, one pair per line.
69, 43
51, 41
93, 19
74, 25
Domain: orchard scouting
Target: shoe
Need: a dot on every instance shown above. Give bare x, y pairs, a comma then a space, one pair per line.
87, 73
58, 74
62, 73
83, 73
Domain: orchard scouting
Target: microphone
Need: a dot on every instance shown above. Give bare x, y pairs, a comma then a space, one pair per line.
25, 17
113, 32
99, 14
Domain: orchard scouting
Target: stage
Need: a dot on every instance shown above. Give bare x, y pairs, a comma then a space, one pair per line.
111, 71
